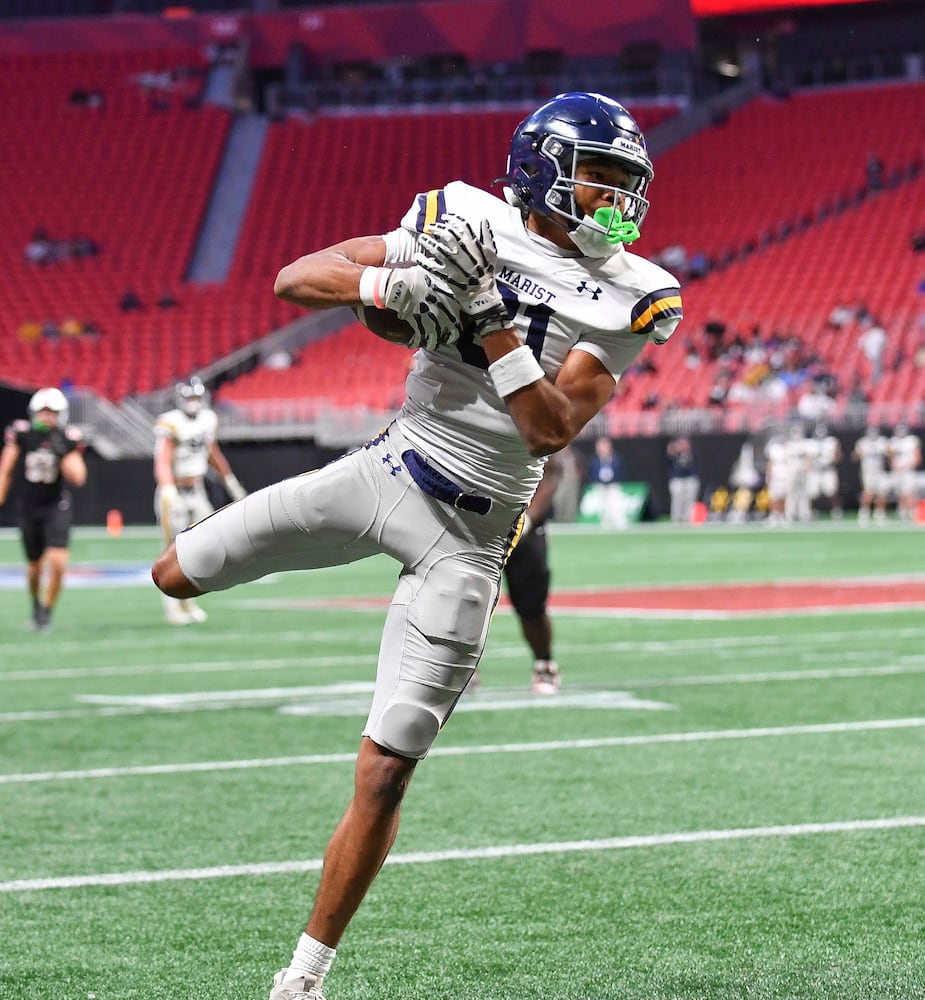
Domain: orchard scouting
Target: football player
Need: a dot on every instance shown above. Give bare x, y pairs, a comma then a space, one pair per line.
185, 447
525, 311
826, 452
905, 455
870, 451
52, 459
527, 574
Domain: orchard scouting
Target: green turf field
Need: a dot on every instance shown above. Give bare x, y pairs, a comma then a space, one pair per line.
715, 806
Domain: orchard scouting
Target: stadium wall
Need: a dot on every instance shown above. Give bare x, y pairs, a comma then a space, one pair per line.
128, 485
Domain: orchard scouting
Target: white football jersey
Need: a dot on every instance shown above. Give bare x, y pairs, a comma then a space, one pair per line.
827, 452
905, 453
558, 301
871, 452
192, 437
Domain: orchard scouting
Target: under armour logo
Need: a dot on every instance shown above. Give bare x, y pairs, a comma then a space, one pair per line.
393, 466
585, 287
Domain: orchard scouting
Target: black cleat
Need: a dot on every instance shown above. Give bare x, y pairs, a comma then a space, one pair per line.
41, 617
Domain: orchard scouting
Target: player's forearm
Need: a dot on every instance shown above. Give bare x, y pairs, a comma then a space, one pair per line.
75, 472
547, 414
329, 277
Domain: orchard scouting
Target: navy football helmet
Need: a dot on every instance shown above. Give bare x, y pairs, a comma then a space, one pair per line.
547, 146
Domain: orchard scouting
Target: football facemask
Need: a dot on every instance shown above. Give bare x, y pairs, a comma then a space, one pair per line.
191, 396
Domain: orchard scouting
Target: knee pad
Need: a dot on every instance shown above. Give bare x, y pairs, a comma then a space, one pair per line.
407, 728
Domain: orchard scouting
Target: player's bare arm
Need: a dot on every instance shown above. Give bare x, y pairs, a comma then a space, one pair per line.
8, 458
330, 277
74, 468
218, 461
550, 415
164, 448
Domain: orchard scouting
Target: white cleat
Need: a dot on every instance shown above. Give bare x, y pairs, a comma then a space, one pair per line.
177, 617
546, 677
300, 987
193, 611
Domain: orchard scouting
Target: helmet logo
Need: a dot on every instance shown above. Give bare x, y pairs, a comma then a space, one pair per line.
628, 145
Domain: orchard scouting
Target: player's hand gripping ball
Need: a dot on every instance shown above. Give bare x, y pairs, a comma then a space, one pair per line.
418, 309
455, 255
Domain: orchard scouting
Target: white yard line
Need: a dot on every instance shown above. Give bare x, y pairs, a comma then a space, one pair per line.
487, 700
471, 854
718, 646
545, 746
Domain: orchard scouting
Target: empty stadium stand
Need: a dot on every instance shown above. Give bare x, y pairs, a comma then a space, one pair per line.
119, 147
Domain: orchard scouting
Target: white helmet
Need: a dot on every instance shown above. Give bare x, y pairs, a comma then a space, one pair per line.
50, 399
191, 396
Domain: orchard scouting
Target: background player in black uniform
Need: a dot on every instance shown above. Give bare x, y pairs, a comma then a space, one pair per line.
527, 575
51, 454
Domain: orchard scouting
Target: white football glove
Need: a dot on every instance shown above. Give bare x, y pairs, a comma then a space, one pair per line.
453, 254
425, 302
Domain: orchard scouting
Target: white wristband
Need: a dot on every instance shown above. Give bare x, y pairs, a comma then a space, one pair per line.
169, 493
372, 286
515, 371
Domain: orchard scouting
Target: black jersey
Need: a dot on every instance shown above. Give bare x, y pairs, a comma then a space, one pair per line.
40, 453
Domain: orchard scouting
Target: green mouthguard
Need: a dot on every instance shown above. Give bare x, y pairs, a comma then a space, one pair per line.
618, 231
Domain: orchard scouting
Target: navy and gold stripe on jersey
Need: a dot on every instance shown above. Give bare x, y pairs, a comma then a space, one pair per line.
431, 207
665, 303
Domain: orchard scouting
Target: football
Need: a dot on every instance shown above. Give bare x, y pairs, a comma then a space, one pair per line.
385, 324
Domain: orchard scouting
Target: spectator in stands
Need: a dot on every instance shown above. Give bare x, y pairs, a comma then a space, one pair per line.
39, 248
674, 259
699, 266
756, 350
719, 391
714, 330
857, 394
130, 300
873, 344
71, 327
50, 330
874, 172
83, 246
840, 316
82, 98
278, 360
918, 358
861, 313
29, 331
917, 241
167, 300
